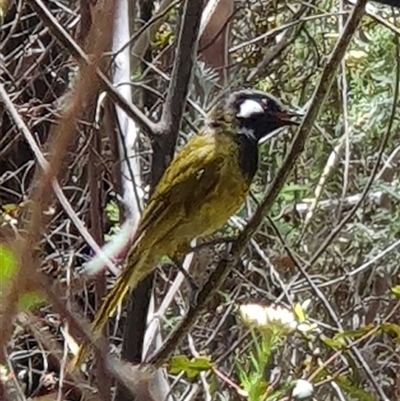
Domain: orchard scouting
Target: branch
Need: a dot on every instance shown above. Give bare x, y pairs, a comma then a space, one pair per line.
134, 325
185, 55
96, 228
230, 261
84, 91
163, 150
127, 128
171, 118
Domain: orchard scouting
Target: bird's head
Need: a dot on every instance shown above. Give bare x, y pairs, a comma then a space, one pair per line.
253, 113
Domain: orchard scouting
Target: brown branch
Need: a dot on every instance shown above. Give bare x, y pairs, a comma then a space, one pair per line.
96, 228
163, 151
84, 90
185, 56
171, 118
231, 260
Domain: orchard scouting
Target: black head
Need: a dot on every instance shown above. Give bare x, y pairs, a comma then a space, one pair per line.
250, 116
258, 114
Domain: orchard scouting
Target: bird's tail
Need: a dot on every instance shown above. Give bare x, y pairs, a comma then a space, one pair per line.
129, 278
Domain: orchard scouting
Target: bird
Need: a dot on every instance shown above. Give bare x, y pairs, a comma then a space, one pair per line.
204, 185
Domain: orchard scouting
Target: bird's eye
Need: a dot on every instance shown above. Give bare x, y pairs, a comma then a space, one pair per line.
249, 108
271, 105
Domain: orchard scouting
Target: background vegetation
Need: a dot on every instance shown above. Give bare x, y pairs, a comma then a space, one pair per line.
329, 243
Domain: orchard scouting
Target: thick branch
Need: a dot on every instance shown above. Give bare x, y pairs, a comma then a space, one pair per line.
163, 150
296, 149
182, 71
128, 129
84, 91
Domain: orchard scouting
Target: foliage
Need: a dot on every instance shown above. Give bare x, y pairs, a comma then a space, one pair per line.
191, 368
29, 300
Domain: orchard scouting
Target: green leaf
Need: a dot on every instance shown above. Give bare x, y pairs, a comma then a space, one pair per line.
8, 268
333, 343
112, 212
354, 333
396, 290
291, 191
166, 260
354, 390
299, 312
8, 263
191, 368
31, 301
10, 208
392, 329
295, 188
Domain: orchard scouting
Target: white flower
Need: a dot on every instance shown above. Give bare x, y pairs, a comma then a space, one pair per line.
253, 314
302, 390
266, 316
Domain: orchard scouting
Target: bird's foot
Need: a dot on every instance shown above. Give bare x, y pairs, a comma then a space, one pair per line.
189, 279
216, 241
194, 299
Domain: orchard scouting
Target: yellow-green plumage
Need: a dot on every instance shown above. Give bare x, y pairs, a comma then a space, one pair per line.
203, 186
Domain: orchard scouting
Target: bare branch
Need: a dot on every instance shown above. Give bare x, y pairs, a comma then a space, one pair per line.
168, 127
128, 129
185, 55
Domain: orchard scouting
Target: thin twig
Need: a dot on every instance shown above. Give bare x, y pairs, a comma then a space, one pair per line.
96, 228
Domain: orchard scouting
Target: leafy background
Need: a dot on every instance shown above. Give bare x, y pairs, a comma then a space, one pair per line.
280, 47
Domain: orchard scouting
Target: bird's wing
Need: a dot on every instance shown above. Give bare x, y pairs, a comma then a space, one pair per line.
192, 174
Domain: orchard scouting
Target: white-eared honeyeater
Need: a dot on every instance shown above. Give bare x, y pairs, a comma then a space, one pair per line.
205, 184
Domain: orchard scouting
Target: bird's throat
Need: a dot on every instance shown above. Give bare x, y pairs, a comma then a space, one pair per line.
248, 155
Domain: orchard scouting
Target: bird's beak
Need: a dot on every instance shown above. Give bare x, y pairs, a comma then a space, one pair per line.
290, 117
284, 118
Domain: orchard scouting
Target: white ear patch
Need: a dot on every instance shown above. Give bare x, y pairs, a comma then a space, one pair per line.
248, 108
